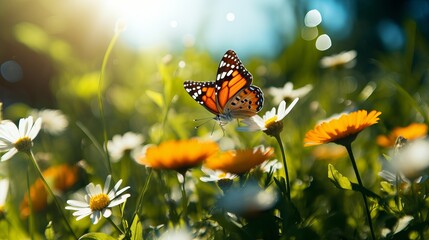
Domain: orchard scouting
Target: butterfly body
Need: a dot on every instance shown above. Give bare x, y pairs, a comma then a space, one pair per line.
231, 95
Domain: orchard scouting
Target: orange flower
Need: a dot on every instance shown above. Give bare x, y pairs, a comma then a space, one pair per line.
342, 130
178, 155
329, 152
61, 177
410, 132
39, 199
240, 161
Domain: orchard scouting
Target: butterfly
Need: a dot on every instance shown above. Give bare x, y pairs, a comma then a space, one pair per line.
231, 95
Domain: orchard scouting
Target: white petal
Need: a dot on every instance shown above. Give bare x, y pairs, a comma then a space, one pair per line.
107, 184
84, 211
117, 185
208, 179
9, 131
269, 114
25, 126
259, 121
92, 189
289, 108
95, 217
107, 213
82, 216
5, 146
35, 129
119, 200
9, 154
72, 208
121, 191
76, 203
281, 110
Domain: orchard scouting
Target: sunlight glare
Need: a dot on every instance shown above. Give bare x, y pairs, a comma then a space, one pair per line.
150, 22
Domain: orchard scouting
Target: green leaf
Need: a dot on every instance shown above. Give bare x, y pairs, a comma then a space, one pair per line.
388, 187
96, 236
338, 179
49, 231
136, 229
156, 97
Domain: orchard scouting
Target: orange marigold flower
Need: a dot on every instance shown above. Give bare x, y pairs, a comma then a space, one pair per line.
342, 130
239, 161
178, 155
61, 178
410, 132
329, 152
39, 199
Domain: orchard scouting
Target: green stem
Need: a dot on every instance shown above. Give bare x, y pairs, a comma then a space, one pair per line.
115, 226
184, 199
33, 159
100, 95
142, 193
30, 205
368, 213
279, 140
417, 205
398, 197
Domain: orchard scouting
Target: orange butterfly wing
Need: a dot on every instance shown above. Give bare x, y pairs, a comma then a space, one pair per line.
204, 93
231, 95
231, 78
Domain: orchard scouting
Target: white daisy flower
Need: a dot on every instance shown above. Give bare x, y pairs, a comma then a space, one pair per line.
98, 202
269, 120
408, 165
53, 121
14, 139
119, 145
271, 166
346, 59
216, 175
412, 159
4, 187
287, 92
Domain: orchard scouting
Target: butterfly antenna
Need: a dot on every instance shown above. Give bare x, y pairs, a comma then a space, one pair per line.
206, 120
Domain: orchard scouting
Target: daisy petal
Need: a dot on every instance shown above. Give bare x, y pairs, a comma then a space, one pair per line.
107, 184
95, 217
35, 129
9, 154
107, 213
76, 203
286, 112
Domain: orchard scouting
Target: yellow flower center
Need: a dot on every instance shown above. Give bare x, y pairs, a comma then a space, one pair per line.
221, 175
99, 202
24, 144
270, 121
273, 128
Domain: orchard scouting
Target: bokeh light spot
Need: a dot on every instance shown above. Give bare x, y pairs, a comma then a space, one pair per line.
323, 42
173, 24
182, 64
309, 33
312, 18
230, 17
11, 71
390, 35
